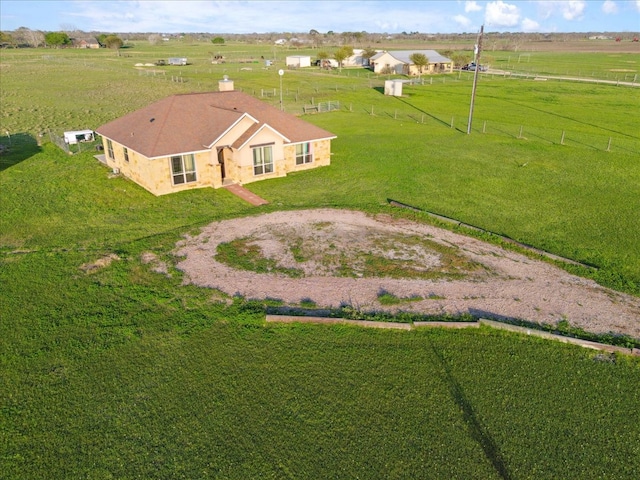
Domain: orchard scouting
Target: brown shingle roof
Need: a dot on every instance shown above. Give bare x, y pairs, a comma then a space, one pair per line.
193, 122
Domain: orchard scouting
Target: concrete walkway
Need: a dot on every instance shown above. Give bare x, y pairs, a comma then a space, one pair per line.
246, 195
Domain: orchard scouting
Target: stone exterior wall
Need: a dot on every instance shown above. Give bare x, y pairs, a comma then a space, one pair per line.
155, 175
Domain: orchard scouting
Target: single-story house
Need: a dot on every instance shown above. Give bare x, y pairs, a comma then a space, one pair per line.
85, 43
356, 59
398, 62
211, 139
296, 61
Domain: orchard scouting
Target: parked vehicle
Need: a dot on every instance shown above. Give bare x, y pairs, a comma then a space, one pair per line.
472, 67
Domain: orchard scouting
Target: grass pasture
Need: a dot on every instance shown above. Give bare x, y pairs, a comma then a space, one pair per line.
121, 371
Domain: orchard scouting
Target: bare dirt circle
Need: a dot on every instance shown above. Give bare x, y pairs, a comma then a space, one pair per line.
333, 258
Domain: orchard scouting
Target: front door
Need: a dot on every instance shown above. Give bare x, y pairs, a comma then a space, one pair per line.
221, 162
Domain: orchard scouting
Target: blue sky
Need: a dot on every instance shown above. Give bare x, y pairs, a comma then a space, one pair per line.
237, 16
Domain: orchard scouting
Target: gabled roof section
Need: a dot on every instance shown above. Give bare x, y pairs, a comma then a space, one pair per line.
252, 132
403, 56
193, 122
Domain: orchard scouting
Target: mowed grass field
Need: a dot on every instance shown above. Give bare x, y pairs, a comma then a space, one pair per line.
122, 372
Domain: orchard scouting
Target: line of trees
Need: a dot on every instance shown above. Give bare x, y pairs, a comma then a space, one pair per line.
25, 37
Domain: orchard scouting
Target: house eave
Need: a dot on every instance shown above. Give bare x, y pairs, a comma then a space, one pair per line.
174, 154
313, 140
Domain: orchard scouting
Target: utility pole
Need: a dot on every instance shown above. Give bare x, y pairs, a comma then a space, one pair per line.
475, 78
281, 73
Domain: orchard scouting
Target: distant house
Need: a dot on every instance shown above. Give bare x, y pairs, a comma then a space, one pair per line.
399, 62
210, 140
85, 43
355, 60
296, 61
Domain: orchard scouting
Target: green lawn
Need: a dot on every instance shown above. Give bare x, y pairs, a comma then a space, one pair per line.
123, 372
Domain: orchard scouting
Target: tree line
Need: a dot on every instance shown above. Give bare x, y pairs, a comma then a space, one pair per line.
25, 37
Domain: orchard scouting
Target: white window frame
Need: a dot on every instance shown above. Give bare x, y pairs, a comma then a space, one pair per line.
125, 150
110, 150
305, 155
262, 159
183, 169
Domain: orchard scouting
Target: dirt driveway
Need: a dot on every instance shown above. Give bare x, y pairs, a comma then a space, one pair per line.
336, 257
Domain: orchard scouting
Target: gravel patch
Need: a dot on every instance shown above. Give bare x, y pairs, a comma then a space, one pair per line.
494, 283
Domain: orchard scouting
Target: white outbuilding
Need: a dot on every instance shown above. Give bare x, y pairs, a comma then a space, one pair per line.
393, 87
75, 136
298, 61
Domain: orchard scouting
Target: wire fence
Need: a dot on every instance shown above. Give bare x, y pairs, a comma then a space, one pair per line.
78, 147
606, 141
320, 96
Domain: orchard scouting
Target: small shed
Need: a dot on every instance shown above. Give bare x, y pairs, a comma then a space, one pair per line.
178, 61
298, 61
75, 136
393, 87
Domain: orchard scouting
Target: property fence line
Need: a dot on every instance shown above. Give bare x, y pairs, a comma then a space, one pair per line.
59, 141
605, 141
77, 148
316, 98
312, 98
321, 107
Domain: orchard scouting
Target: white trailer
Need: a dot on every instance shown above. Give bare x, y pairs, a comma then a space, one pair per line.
75, 136
178, 61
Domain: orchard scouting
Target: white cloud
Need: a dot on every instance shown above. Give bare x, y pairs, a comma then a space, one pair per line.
500, 14
529, 25
545, 9
472, 6
573, 9
462, 20
609, 7
377, 16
